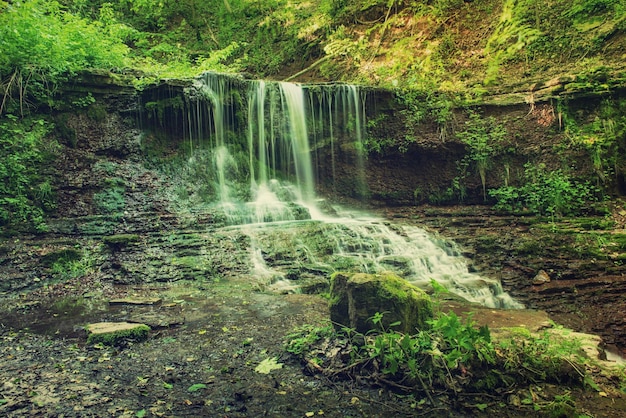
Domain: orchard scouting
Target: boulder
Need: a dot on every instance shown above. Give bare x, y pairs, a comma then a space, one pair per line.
541, 278
356, 297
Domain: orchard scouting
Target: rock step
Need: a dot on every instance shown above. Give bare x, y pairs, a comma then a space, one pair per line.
112, 333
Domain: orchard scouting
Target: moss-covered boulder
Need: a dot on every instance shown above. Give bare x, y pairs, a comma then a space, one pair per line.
357, 297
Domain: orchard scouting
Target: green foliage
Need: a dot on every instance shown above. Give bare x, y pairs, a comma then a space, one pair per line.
111, 199
584, 9
455, 193
541, 357
442, 8
25, 193
302, 339
68, 263
427, 105
452, 355
71, 269
268, 38
545, 192
448, 344
483, 137
600, 135
461, 343
274, 37
511, 35
42, 44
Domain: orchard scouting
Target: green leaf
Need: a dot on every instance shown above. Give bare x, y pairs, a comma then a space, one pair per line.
196, 387
267, 365
481, 406
141, 414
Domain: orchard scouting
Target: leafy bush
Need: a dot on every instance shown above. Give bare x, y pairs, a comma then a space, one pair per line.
451, 355
41, 44
545, 192
482, 137
24, 191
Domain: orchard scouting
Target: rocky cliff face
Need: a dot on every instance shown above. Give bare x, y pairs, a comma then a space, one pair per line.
118, 219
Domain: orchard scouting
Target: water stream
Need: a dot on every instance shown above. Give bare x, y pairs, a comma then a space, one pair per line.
262, 138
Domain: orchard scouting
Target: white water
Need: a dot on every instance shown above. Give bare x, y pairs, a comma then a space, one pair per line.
279, 211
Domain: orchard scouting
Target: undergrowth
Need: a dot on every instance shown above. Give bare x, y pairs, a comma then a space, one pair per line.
451, 357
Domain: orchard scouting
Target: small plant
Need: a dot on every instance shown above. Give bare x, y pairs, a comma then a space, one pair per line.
482, 137
451, 356
70, 264
424, 105
111, 199
302, 339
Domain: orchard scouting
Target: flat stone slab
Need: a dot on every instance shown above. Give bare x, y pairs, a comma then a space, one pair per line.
110, 327
136, 301
111, 332
495, 319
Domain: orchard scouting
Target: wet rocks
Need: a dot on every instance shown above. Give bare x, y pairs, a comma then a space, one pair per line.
541, 277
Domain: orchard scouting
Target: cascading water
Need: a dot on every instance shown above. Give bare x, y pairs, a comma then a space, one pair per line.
272, 198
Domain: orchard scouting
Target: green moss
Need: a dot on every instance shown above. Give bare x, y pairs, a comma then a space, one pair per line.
357, 297
137, 333
98, 226
194, 267
121, 240
62, 256
97, 112
110, 200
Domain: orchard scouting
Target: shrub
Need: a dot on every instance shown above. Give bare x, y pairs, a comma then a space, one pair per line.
42, 44
482, 137
544, 192
24, 191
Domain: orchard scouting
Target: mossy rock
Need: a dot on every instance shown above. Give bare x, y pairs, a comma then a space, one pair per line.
356, 297
113, 333
64, 255
120, 240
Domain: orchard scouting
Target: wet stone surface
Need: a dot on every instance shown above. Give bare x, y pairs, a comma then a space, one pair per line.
218, 319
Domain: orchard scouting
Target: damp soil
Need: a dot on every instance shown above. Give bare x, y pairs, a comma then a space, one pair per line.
209, 335
202, 356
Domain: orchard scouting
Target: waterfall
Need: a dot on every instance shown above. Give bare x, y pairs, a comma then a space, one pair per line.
263, 139
293, 96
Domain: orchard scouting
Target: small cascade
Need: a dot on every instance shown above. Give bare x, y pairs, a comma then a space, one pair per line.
354, 241
263, 140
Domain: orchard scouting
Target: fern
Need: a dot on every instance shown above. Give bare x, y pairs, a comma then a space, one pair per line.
511, 35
